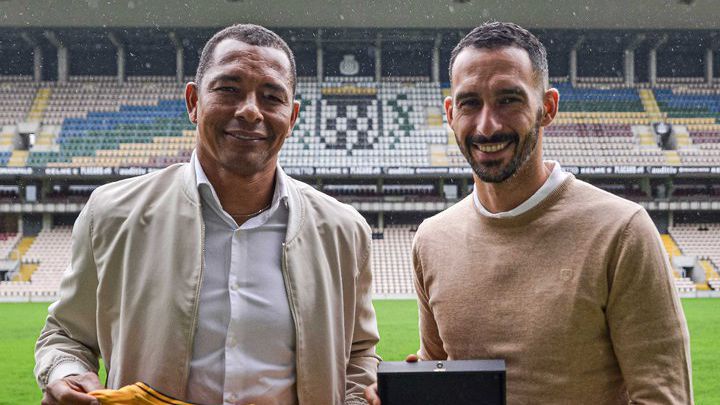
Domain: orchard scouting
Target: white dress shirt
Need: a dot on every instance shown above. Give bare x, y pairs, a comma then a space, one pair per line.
244, 347
557, 176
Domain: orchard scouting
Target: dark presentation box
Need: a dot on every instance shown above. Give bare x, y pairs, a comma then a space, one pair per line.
447, 382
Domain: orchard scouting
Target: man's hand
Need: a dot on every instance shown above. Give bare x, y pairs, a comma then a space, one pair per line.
371, 392
73, 390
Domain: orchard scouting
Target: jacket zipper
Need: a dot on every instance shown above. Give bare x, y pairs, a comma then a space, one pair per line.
293, 312
193, 326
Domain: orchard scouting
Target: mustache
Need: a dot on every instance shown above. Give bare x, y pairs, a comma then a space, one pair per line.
495, 138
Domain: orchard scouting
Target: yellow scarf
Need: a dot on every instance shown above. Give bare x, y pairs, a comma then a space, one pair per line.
135, 394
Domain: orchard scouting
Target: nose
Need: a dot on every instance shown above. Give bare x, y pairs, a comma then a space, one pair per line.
488, 122
248, 111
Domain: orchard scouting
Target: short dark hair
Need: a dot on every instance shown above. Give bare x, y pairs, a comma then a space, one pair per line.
250, 34
493, 35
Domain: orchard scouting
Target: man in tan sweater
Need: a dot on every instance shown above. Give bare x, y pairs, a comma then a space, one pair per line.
568, 284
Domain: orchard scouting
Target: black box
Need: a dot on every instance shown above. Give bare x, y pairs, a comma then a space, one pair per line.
446, 382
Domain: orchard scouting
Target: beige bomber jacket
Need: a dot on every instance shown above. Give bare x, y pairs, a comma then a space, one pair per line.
132, 290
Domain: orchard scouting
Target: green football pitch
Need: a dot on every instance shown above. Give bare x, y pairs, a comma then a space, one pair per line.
397, 320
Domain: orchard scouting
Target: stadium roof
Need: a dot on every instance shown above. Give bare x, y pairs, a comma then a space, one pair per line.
574, 14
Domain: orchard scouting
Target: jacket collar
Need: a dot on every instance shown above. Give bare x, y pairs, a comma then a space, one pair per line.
189, 184
295, 200
296, 206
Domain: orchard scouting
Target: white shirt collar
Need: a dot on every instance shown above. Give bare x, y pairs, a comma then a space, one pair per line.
280, 195
557, 176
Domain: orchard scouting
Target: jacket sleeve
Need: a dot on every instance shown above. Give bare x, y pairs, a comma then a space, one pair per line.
68, 341
431, 346
645, 318
362, 367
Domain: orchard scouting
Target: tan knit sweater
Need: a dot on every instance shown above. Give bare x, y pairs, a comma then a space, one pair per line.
576, 295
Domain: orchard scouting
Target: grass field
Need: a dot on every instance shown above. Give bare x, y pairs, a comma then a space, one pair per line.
397, 320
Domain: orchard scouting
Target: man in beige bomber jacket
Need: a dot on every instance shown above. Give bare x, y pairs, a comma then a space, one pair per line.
221, 280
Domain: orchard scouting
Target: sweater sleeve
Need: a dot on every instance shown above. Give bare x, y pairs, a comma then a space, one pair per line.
69, 341
431, 346
645, 318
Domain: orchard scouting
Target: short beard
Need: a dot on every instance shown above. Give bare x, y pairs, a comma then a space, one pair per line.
520, 157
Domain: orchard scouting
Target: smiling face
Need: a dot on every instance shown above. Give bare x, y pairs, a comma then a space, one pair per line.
243, 108
497, 109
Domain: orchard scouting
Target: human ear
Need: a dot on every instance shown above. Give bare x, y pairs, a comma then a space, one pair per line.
551, 98
191, 100
294, 115
448, 104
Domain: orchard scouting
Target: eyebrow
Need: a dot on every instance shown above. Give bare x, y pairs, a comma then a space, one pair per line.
511, 91
465, 95
238, 79
507, 91
226, 78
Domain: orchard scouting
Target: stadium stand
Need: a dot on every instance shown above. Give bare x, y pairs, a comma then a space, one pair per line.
682, 283
376, 138
365, 123
600, 126
142, 122
391, 261
50, 252
50, 255
96, 121
702, 241
8, 241
16, 97
694, 111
